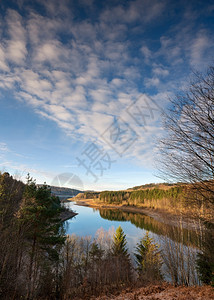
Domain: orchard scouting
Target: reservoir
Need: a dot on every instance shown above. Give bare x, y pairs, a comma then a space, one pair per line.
178, 244
135, 225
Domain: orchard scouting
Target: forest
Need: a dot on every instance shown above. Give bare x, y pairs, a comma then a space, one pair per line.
173, 199
141, 196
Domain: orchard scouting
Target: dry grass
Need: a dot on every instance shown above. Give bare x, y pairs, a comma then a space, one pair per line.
163, 292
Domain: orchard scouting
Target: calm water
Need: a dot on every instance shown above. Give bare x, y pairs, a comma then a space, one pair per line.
135, 225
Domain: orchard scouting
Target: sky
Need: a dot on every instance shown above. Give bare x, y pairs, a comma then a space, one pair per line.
83, 85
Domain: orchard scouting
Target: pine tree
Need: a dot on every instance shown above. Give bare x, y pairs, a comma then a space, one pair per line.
148, 259
96, 262
96, 252
119, 243
121, 257
39, 217
10, 197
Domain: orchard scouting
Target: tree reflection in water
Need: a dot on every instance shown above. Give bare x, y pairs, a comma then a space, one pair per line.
177, 233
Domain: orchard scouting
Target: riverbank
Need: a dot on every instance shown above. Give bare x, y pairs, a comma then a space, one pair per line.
67, 214
173, 219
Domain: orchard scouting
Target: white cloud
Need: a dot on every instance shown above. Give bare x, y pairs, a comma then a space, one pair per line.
3, 63
154, 81
16, 51
146, 53
30, 100
52, 52
117, 82
8, 80
162, 98
3, 147
135, 10
16, 44
21, 170
160, 71
95, 123
189, 45
199, 47
33, 84
44, 28
101, 95
15, 28
77, 98
171, 49
59, 112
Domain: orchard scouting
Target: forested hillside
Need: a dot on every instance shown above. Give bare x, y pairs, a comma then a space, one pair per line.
141, 196
170, 198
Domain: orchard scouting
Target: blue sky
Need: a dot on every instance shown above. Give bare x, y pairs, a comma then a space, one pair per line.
83, 84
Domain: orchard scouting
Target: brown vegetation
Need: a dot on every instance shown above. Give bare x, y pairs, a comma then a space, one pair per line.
162, 292
175, 199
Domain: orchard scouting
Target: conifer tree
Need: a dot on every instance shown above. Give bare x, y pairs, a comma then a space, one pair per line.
39, 215
121, 257
119, 243
148, 259
10, 197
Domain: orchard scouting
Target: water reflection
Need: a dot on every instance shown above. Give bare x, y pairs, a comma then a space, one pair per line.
90, 220
135, 225
176, 233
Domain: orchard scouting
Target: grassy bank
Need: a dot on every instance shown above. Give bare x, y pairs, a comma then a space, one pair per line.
168, 199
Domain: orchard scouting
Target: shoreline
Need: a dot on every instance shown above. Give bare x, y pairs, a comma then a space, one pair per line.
67, 214
162, 216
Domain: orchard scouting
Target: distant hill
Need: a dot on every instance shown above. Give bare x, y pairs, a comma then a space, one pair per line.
149, 186
63, 191
163, 186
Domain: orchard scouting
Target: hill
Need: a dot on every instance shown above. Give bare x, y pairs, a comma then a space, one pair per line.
63, 192
163, 186
169, 197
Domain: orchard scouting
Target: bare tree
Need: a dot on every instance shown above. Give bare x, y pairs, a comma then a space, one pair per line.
187, 152
187, 155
